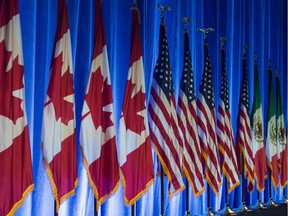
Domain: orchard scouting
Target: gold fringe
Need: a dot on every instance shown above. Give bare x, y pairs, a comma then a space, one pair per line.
166, 171
21, 201
139, 195
93, 186
54, 188
192, 185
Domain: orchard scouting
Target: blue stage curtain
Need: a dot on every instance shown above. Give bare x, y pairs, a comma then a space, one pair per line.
261, 24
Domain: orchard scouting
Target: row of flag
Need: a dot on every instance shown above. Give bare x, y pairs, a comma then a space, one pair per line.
182, 134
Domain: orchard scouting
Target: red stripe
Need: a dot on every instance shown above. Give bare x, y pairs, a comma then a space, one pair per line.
210, 134
190, 152
157, 121
166, 160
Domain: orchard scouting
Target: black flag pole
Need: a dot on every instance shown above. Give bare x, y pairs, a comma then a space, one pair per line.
133, 210
55, 208
162, 191
95, 207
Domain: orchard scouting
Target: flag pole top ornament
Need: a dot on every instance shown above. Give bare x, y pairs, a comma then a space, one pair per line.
163, 8
205, 31
269, 64
276, 73
223, 40
186, 21
255, 57
245, 47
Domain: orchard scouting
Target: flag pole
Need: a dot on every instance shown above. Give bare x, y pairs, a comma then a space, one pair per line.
228, 209
186, 21
163, 9
260, 204
244, 206
162, 191
133, 206
133, 210
205, 31
187, 198
95, 207
55, 208
271, 187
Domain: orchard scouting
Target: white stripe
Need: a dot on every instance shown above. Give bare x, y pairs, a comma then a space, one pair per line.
246, 139
168, 153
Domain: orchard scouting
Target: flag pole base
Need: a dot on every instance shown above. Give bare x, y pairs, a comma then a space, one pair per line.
229, 211
261, 206
245, 208
187, 213
210, 213
272, 203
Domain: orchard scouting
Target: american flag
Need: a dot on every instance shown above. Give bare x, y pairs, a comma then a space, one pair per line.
16, 178
97, 133
243, 137
163, 118
186, 110
225, 135
207, 125
58, 130
136, 161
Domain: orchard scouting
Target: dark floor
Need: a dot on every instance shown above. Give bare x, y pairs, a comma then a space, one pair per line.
281, 210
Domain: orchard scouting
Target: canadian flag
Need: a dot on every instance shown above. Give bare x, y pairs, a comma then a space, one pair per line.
97, 133
58, 130
16, 179
135, 147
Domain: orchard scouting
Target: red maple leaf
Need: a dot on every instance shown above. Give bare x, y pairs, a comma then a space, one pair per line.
10, 106
132, 105
59, 88
98, 96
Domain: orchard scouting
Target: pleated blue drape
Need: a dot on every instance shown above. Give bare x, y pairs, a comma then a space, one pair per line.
261, 24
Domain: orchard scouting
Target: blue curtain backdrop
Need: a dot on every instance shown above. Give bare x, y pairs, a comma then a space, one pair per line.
261, 24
